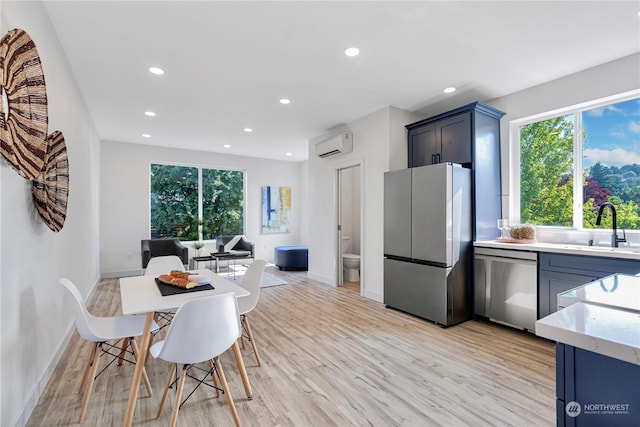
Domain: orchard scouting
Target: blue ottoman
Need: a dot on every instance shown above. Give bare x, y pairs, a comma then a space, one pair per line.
295, 257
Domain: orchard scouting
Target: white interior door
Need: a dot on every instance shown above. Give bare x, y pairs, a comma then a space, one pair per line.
340, 190
347, 224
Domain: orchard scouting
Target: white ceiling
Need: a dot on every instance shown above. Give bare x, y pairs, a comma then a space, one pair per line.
228, 63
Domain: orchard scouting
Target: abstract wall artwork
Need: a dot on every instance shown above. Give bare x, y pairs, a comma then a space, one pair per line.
276, 210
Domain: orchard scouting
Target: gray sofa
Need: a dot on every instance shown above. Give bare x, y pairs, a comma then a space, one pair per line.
241, 250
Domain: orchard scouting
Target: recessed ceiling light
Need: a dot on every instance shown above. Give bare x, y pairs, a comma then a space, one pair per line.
285, 101
352, 51
150, 113
449, 89
288, 154
226, 146
156, 70
248, 130
146, 135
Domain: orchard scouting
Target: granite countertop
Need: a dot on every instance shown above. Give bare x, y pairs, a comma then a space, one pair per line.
627, 252
601, 329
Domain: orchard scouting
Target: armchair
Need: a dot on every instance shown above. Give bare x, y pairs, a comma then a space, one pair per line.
161, 247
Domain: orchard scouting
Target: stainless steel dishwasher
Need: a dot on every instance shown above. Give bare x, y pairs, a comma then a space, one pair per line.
506, 286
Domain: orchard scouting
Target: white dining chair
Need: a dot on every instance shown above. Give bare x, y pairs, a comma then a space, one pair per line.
202, 329
163, 265
251, 282
100, 330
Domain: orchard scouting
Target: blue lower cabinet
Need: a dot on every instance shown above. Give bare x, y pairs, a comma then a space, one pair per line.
593, 390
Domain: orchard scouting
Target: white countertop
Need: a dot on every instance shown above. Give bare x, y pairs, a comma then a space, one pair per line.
604, 330
615, 291
628, 252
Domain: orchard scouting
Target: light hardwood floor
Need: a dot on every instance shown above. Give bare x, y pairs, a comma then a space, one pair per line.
333, 358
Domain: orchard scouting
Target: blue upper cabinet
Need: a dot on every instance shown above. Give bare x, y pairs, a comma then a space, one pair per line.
470, 136
445, 140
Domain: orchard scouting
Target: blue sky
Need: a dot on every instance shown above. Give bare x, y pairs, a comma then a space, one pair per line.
613, 134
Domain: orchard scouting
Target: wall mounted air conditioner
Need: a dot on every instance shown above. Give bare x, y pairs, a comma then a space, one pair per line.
339, 144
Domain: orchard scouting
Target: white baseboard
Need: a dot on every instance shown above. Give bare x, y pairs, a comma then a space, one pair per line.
38, 389
331, 281
373, 295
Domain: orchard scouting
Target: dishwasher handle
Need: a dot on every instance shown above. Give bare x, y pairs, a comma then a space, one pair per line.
505, 259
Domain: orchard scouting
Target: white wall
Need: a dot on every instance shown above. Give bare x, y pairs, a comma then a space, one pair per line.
380, 144
36, 320
605, 80
377, 137
125, 199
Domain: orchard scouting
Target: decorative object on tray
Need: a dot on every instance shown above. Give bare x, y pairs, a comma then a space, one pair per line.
523, 231
175, 280
511, 240
50, 188
24, 114
166, 289
520, 233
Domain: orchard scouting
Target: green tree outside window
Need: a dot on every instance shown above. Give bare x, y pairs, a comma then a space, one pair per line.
174, 198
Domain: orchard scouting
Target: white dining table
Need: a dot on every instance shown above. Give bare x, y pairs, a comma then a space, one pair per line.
140, 295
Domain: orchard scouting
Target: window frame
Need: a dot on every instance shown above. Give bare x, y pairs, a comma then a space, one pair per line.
199, 167
514, 157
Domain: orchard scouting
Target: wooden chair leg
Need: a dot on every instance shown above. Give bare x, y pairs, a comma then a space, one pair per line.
176, 405
166, 389
92, 377
136, 352
243, 370
125, 344
225, 387
253, 342
88, 367
214, 378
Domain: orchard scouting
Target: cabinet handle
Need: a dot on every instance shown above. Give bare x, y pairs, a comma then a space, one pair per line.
438, 158
433, 159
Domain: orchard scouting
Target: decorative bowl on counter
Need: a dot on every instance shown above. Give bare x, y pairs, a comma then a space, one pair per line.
520, 233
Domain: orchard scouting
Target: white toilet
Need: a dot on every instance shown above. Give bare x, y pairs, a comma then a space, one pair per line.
350, 262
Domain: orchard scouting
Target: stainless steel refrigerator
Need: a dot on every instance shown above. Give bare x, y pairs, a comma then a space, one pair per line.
427, 242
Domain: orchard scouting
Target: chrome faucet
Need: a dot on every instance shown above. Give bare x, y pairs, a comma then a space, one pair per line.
614, 236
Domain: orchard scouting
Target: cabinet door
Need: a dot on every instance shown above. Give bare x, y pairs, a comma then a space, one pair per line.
596, 381
551, 283
454, 137
422, 146
560, 272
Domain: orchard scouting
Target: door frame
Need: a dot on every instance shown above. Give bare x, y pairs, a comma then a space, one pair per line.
339, 168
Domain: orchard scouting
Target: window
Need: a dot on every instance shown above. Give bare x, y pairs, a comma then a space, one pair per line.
603, 143
193, 203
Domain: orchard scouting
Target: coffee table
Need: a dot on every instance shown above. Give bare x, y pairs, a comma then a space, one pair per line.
193, 262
